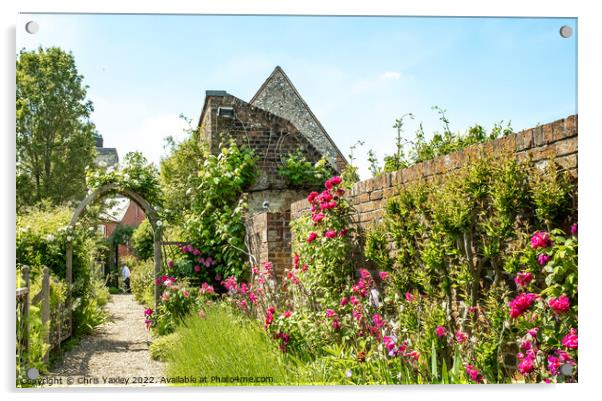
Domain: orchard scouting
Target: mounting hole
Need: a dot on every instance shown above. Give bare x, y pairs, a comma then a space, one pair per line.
32, 27
566, 31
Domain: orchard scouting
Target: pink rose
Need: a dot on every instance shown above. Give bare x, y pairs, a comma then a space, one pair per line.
571, 340
540, 239
441, 331
561, 304
311, 237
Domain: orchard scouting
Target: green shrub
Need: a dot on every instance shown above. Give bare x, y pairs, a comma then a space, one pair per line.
222, 344
299, 172
161, 347
143, 241
142, 280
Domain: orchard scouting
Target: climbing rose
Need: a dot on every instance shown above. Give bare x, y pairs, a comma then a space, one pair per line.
543, 259
287, 314
353, 300
571, 340
311, 237
148, 312
523, 279
170, 264
409, 296
533, 332
330, 234
344, 301
461, 337
383, 276
197, 268
526, 364
441, 331
521, 303
185, 293
556, 360
336, 325
336, 180
574, 229
312, 196
317, 217
540, 239
330, 313
560, 304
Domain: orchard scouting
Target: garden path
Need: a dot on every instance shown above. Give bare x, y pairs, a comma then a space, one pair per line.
115, 352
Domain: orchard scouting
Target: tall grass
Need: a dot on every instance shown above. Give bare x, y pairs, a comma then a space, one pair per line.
226, 346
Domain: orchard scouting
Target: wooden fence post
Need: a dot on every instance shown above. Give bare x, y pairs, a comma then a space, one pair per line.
45, 309
25, 317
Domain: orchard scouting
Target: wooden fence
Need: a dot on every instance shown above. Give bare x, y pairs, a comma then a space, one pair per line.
56, 320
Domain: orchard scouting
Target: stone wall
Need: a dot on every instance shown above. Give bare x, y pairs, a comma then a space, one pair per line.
557, 139
278, 96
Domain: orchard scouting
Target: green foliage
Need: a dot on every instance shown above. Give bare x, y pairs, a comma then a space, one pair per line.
121, 235
350, 174
552, 194
142, 280
143, 241
55, 138
299, 172
177, 301
441, 143
221, 343
161, 347
212, 218
135, 174
42, 236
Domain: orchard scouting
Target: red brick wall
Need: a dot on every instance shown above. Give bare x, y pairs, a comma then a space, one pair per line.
269, 237
558, 139
132, 217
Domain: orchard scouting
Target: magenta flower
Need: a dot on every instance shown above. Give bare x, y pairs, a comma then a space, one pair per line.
571, 340
561, 304
197, 268
378, 320
540, 239
441, 331
461, 337
312, 196
353, 300
473, 373
523, 279
336, 180
409, 296
170, 264
330, 313
574, 229
330, 234
206, 289
344, 301
311, 237
556, 360
148, 312
287, 314
365, 274
526, 365
533, 332
336, 324
383, 276
542, 259
318, 217
521, 303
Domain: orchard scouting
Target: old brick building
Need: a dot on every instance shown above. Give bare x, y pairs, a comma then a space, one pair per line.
275, 123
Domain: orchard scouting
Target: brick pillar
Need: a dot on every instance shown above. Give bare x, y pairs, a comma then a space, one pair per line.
270, 239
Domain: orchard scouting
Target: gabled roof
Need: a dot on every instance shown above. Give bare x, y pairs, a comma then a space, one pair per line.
279, 73
117, 210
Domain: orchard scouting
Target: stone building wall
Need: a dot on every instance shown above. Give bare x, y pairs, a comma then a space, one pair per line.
279, 96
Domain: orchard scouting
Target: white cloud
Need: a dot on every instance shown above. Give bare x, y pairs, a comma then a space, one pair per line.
390, 75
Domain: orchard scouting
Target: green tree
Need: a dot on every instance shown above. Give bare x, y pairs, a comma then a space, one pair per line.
55, 138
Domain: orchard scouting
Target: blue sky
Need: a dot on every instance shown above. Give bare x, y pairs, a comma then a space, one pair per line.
356, 73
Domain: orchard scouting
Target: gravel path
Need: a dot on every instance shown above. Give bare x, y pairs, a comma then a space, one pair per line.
116, 352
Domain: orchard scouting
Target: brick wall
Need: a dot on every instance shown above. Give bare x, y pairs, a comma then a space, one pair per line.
271, 137
269, 239
558, 139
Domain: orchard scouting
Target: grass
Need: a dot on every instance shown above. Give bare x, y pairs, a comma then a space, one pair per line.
225, 349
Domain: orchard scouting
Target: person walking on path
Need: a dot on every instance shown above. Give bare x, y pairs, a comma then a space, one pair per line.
125, 273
